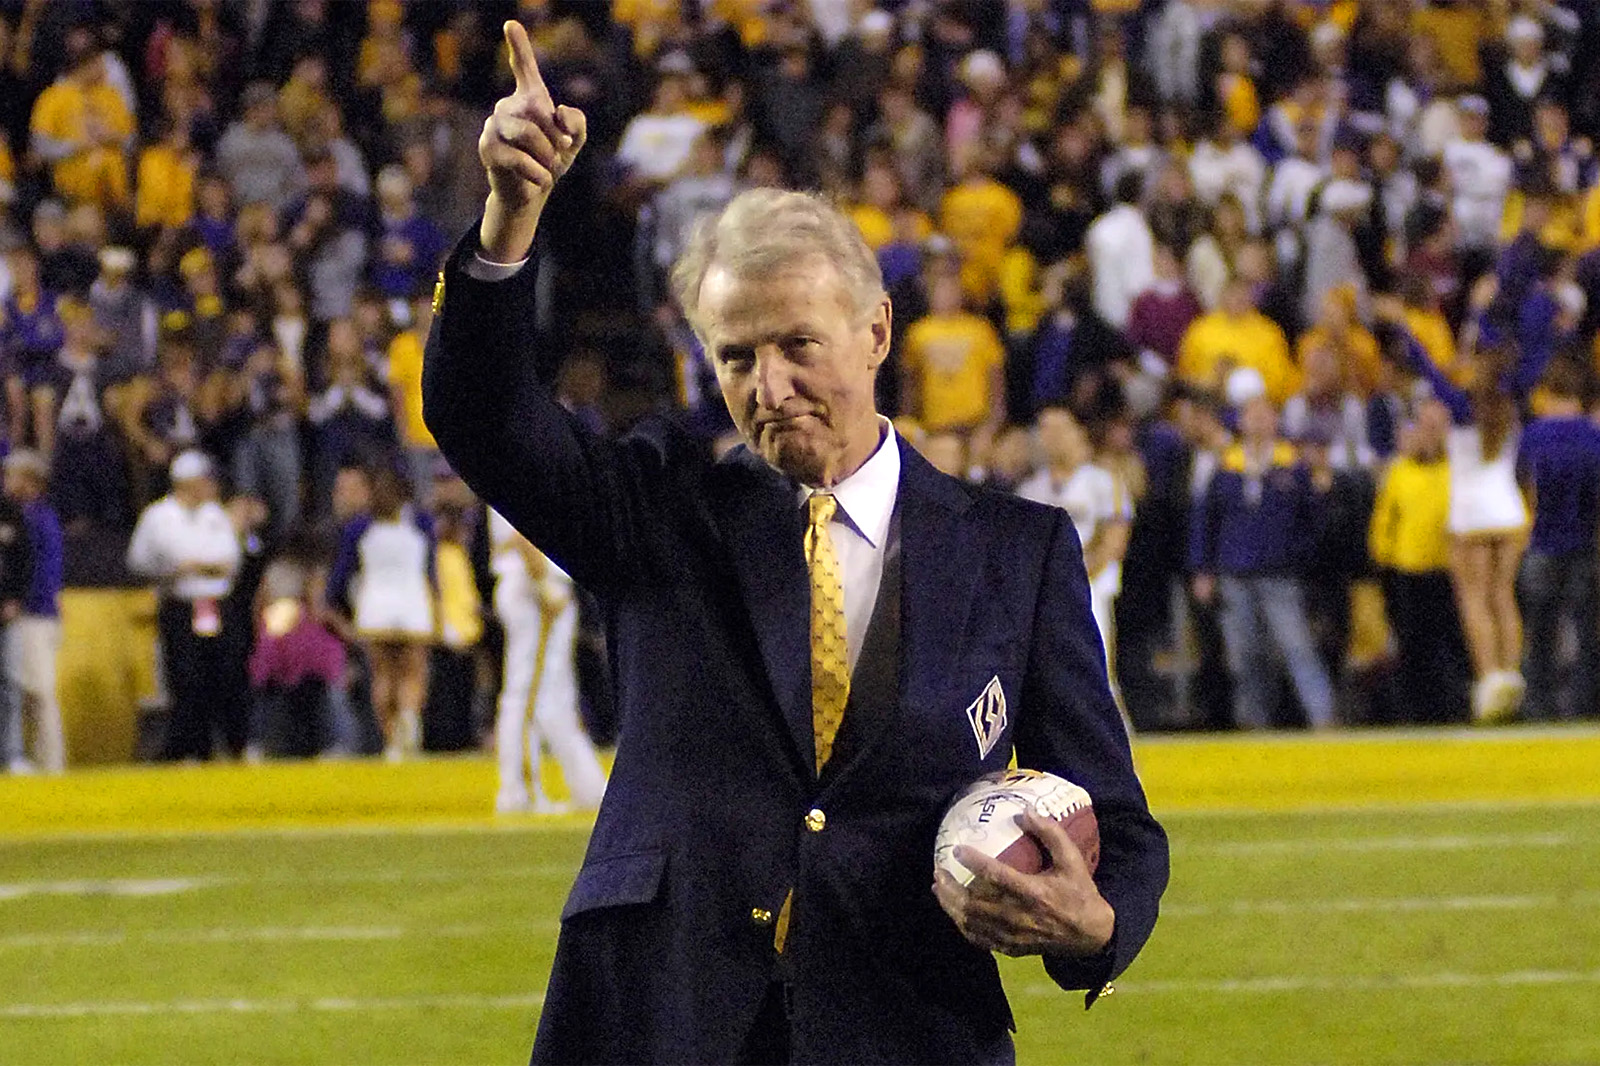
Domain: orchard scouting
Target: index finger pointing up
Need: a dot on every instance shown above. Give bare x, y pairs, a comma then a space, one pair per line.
524, 67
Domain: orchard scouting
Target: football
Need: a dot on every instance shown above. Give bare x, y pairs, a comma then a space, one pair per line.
984, 817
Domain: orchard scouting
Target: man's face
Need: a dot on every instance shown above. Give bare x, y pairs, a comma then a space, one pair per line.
1258, 420
795, 365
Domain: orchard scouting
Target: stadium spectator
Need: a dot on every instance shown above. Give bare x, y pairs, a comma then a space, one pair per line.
34, 636
1558, 458
267, 461
385, 582
408, 244
258, 160
1121, 253
124, 314
1248, 541
1327, 410
452, 668
1409, 543
186, 542
350, 418
82, 126
16, 580
1233, 336
327, 228
1163, 312
954, 364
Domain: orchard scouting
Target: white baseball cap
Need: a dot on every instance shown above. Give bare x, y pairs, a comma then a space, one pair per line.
189, 466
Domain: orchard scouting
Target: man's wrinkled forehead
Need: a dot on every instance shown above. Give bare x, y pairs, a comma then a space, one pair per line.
736, 301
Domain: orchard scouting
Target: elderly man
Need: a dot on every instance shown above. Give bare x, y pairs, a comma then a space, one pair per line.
186, 542
818, 640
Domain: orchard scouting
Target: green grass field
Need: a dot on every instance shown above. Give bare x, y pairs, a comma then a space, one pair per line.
332, 926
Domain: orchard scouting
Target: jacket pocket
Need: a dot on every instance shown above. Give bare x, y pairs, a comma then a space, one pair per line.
616, 881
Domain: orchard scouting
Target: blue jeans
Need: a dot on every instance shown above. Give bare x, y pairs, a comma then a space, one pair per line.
1554, 588
1261, 615
12, 743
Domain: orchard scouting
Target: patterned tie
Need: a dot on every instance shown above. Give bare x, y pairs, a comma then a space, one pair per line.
830, 659
830, 656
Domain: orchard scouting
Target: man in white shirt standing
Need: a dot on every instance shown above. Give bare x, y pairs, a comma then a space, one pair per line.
186, 542
1121, 252
539, 688
1101, 511
1480, 177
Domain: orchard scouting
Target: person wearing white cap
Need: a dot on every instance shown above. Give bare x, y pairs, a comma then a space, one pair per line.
1332, 260
1527, 75
186, 542
1480, 176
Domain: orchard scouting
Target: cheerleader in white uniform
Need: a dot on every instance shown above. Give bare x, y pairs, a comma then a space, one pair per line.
539, 692
1488, 523
1101, 512
384, 578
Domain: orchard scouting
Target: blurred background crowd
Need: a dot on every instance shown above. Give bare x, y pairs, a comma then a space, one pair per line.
1293, 306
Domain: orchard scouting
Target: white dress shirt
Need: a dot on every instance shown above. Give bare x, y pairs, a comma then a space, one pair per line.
859, 530
170, 535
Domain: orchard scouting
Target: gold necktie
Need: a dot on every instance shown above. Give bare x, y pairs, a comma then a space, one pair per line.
830, 656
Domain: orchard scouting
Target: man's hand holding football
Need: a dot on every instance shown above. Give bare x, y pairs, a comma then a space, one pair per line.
1056, 911
527, 144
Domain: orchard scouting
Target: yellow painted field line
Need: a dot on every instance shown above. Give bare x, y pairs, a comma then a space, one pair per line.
1221, 774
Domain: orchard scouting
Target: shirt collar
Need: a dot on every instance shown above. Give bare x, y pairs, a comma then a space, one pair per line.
866, 498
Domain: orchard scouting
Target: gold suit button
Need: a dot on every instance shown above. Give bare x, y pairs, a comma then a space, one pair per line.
761, 916
816, 821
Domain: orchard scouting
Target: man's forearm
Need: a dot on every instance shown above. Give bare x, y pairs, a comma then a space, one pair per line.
506, 232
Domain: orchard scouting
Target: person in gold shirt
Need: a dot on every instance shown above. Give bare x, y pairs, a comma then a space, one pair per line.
1410, 545
1237, 335
81, 128
1355, 347
164, 197
405, 396
881, 199
954, 366
982, 217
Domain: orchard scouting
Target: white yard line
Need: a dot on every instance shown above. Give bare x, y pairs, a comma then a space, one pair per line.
1439, 842
168, 886
532, 1000
342, 1004
1329, 983
1399, 905
273, 934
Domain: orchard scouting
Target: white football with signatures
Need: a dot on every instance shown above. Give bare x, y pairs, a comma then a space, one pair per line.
985, 817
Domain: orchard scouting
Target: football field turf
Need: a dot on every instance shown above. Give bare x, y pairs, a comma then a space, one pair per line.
1377, 898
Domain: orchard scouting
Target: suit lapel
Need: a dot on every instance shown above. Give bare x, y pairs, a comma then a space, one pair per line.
937, 582
765, 541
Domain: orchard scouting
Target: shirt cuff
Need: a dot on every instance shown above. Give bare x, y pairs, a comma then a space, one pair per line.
481, 269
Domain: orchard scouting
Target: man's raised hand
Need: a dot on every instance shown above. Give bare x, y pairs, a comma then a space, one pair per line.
527, 144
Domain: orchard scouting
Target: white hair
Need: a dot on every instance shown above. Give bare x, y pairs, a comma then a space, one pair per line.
764, 230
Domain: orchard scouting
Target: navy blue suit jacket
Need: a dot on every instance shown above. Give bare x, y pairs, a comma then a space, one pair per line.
663, 954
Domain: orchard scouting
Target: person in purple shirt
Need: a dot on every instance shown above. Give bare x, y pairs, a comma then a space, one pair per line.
409, 247
1559, 465
34, 635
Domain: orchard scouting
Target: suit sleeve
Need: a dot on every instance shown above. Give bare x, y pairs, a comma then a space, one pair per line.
1071, 726
588, 503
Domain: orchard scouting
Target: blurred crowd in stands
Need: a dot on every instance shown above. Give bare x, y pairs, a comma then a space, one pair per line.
1293, 305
